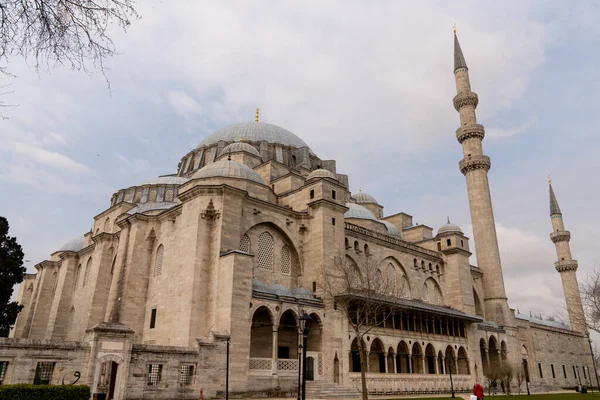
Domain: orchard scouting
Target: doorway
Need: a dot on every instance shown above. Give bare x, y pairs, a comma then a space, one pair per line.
336, 369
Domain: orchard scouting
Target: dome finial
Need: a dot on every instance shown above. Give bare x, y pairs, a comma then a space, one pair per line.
257, 110
549, 180
448, 219
454, 28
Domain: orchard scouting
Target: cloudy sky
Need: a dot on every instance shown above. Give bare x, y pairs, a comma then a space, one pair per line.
369, 84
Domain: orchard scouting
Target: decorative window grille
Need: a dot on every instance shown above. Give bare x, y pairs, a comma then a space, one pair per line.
154, 374
86, 274
169, 195
43, 373
245, 244
152, 196
159, 260
186, 375
391, 277
265, 251
286, 260
3, 368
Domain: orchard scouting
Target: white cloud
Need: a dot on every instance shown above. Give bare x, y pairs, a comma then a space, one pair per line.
50, 158
502, 133
182, 103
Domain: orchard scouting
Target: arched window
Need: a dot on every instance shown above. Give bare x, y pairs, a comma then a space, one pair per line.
76, 280
169, 195
152, 196
159, 260
437, 269
86, 275
55, 280
378, 279
356, 248
347, 243
286, 260
245, 244
107, 225
138, 196
265, 251
423, 265
112, 267
391, 277
415, 263
293, 163
366, 247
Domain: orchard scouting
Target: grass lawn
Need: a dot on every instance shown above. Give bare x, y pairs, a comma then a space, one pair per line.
549, 396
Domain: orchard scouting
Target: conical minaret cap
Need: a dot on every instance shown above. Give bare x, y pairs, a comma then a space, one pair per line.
459, 59
554, 208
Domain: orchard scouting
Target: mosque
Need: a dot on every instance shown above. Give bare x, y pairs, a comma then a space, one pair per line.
223, 256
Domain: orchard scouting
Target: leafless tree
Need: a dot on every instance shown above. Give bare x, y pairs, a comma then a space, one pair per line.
520, 377
590, 296
366, 296
507, 375
62, 32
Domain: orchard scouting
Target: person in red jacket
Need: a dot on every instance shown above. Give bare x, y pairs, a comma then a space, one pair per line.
478, 391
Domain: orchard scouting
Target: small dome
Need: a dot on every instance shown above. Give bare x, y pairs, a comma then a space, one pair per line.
258, 285
449, 227
240, 146
254, 132
364, 198
167, 180
359, 212
151, 206
279, 290
73, 245
391, 228
321, 173
302, 293
228, 169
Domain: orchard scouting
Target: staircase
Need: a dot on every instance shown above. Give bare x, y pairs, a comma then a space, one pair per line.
328, 390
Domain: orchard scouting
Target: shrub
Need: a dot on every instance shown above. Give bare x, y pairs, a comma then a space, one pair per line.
44, 392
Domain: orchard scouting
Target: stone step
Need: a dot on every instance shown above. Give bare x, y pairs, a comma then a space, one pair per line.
328, 390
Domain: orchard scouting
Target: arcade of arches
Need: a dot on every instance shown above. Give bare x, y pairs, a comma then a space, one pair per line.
274, 343
409, 357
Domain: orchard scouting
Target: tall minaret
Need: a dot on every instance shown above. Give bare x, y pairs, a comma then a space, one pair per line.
566, 266
474, 167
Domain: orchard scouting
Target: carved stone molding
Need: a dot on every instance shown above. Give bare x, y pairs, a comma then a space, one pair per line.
560, 236
465, 99
566, 265
473, 163
470, 131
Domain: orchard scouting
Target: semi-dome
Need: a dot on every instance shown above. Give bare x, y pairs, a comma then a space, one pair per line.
151, 206
391, 228
73, 245
359, 212
254, 132
240, 146
364, 198
228, 169
258, 285
166, 180
449, 227
321, 173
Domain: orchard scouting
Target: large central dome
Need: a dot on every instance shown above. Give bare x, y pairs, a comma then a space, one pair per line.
254, 132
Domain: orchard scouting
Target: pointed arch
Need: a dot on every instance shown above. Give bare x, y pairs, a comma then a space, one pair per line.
431, 292
401, 284
86, 274
107, 225
477, 302
430, 359
377, 361
261, 328
417, 358
77, 275
286, 260
402, 359
463, 361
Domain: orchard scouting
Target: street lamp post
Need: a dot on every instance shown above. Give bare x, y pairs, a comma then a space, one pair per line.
299, 363
450, 369
593, 361
303, 320
227, 376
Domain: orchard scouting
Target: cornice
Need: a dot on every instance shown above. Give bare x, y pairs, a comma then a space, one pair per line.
456, 250
566, 265
469, 132
465, 99
560, 236
474, 163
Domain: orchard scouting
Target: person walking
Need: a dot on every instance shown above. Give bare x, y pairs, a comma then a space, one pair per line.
478, 391
502, 386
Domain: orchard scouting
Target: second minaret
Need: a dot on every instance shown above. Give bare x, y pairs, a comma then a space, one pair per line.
474, 167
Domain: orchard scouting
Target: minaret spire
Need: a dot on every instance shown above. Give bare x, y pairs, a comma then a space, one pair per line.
566, 266
474, 167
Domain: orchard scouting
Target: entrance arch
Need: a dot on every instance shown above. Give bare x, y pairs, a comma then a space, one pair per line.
261, 334
376, 357
494, 354
485, 364
417, 359
430, 359
463, 362
108, 376
450, 360
287, 336
402, 360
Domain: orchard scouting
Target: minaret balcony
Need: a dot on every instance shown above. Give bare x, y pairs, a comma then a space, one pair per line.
471, 131
465, 99
560, 236
474, 162
566, 265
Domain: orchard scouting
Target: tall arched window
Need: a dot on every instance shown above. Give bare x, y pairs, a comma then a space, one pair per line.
107, 225
391, 278
265, 251
245, 244
159, 260
77, 274
169, 195
86, 275
286, 260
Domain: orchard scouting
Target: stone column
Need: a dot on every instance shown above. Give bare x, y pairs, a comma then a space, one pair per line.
386, 362
395, 363
424, 364
443, 365
410, 364
275, 343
